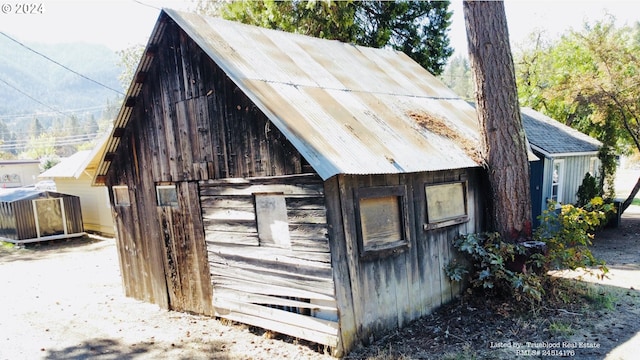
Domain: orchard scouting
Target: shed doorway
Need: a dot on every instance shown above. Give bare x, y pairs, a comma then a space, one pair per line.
50, 217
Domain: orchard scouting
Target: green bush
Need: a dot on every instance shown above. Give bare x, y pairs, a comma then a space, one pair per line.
490, 258
588, 190
567, 233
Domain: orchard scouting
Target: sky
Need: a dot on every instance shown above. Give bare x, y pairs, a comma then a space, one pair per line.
121, 23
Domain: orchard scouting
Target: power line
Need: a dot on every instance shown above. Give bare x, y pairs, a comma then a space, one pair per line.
147, 5
45, 114
53, 142
32, 98
59, 138
63, 66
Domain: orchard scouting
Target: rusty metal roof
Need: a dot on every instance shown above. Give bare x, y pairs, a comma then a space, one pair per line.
347, 109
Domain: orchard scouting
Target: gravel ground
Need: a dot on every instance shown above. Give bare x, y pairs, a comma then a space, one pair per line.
64, 300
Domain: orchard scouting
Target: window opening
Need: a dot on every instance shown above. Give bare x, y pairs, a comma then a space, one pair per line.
272, 220
167, 195
121, 195
382, 220
446, 204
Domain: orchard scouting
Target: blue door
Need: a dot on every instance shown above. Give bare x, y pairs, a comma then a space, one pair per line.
535, 183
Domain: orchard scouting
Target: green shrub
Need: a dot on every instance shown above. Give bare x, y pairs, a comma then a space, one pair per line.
588, 190
567, 233
490, 257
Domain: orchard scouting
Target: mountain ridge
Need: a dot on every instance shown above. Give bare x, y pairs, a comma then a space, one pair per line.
31, 85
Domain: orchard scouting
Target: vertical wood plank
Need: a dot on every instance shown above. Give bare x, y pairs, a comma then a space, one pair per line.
342, 275
184, 118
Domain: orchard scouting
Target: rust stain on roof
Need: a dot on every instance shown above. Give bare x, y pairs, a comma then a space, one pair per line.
440, 126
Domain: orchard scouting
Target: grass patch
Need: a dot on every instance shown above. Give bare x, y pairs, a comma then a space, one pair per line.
636, 201
7, 245
592, 296
599, 298
561, 328
466, 354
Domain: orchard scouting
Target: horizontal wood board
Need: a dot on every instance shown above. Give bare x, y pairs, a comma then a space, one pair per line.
288, 290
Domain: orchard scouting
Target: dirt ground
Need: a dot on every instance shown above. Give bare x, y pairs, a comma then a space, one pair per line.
64, 300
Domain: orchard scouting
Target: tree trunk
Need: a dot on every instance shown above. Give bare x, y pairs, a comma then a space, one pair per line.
504, 140
631, 196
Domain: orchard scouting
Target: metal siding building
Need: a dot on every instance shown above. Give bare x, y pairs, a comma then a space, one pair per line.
29, 215
565, 154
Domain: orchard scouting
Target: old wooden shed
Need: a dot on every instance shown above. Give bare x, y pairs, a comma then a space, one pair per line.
30, 215
305, 186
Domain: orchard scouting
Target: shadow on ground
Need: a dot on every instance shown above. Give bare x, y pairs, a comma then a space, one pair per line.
44, 249
110, 349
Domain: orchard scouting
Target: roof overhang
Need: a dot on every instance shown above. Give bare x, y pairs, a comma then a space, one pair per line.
558, 155
391, 150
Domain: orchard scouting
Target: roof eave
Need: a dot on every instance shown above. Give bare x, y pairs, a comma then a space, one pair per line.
112, 141
551, 155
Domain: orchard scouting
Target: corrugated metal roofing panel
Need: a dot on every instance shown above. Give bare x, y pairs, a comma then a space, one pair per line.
347, 109
16, 194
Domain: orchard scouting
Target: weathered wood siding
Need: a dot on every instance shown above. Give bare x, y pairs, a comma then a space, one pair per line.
379, 294
193, 128
139, 243
203, 127
287, 289
190, 123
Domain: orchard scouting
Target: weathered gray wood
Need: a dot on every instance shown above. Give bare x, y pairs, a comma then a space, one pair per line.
286, 317
183, 119
295, 326
245, 283
217, 237
192, 127
274, 259
248, 189
349, 234
251, 269
259, 299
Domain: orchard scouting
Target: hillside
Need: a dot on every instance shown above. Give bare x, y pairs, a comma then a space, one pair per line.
32, 87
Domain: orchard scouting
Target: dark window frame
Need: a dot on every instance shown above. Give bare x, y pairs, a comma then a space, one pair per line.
161, 199
393, 247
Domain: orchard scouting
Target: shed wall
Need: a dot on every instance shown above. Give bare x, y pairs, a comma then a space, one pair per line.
193, 128
287, 288
383, 293
575, 168
96, 210
189, 124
